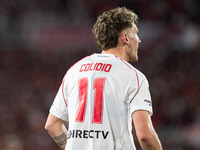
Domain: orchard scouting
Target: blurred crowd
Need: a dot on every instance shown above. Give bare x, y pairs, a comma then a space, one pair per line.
40, 40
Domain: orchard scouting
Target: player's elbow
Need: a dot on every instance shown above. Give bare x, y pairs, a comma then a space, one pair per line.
52, 122
49, 126
149, 140
145, 136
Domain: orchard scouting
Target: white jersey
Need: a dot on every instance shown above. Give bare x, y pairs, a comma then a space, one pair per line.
97, 97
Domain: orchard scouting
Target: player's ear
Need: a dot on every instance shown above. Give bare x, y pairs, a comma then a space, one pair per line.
125, 38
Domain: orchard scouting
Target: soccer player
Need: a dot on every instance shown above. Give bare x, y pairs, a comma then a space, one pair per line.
102, 94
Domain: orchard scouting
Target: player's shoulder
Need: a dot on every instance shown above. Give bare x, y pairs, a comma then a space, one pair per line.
140, 74
131, 68
80, 62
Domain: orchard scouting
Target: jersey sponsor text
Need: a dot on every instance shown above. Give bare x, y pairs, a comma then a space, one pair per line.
87, 134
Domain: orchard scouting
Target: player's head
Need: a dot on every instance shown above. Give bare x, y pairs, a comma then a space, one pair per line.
110, 24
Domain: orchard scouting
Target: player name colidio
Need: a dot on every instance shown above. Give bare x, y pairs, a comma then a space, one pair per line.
95, 67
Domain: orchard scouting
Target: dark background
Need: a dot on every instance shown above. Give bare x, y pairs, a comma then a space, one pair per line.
41, 39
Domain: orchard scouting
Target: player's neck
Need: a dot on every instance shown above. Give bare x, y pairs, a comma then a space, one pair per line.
119, 52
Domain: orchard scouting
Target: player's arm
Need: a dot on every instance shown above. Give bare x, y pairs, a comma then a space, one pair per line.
145, 132
57, 130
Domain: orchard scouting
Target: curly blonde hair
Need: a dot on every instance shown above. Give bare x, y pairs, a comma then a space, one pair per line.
110, 24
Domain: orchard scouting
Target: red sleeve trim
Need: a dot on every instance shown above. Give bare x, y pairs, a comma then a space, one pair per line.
124, 62
138, 85
63, 91
64, 81
137, 78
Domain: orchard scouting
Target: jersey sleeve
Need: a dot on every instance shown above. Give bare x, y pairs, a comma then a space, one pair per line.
141, 100
59, 107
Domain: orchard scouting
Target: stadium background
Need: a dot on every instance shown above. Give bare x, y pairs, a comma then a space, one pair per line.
40, 40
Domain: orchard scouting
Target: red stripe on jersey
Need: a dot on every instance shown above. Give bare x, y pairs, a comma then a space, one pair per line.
124, 62
99, 84
138, 84
83, 93
135, 73
64, 80
137, 77
63, 91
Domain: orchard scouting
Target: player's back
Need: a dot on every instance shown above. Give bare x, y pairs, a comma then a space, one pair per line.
98, 90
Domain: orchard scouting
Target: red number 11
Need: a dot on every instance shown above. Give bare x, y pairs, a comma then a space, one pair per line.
98, 99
